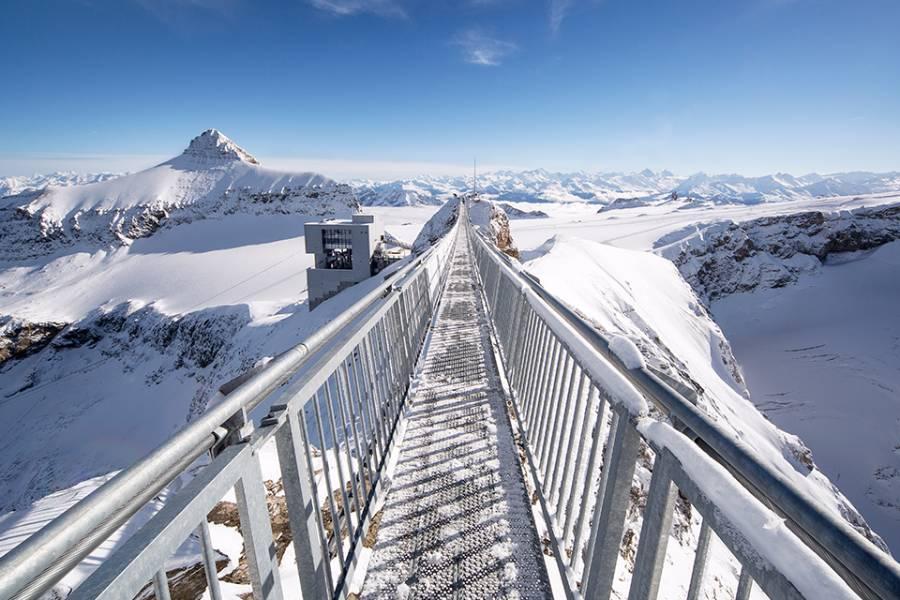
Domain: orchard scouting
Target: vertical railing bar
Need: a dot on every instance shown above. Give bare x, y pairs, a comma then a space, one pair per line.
320, 519
548, 347
209, 561
520, 356
357, 483
161, 585
391, 382
348, 509
534, 371
256, 529
654, 537
616, 493
557, 364
568, 429
700, 556
559, 431
517, 358
582, 413
548, 447
301, 497
366, 391
378, 397
745, 585
336, 526
547, 370
597, 443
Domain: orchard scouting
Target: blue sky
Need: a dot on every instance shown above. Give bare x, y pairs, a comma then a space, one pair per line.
389, 88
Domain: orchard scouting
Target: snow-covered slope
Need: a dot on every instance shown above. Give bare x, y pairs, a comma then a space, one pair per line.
213, 177
821, 357
10, 186
642, 297
113, 334
622, 190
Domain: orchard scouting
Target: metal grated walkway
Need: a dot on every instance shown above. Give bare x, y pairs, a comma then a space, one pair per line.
457, 522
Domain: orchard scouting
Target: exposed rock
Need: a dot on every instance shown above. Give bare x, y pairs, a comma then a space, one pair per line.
20, 339
771, 252
514, 213
491, 219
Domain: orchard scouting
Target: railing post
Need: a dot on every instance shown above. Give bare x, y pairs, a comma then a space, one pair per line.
301, 502
256, 528
209, 561
745, 585
651, 553
615, 493
699, 561
161, 585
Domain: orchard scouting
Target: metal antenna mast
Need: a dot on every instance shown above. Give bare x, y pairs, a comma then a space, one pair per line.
474, 177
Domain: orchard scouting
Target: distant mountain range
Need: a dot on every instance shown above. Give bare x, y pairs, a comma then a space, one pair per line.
10, 186
626, 189
610, 190
213, 177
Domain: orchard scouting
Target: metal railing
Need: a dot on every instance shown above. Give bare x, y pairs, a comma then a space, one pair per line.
583, 417
340, 396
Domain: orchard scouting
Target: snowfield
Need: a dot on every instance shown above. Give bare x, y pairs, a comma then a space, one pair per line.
127, 302
822, 359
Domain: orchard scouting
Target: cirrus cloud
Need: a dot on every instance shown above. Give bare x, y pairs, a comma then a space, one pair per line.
345, 8
479, 48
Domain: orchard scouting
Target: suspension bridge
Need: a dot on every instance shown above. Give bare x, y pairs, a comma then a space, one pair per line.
457, 433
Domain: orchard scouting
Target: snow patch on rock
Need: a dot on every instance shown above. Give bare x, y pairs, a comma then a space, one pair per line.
771, 252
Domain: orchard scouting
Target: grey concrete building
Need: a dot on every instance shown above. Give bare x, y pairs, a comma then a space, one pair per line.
345, 255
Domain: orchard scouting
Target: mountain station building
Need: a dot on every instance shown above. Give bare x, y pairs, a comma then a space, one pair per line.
346, 252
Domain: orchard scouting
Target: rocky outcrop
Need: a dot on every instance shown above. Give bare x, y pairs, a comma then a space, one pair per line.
492, 220
20, 339
514, 213
771, 252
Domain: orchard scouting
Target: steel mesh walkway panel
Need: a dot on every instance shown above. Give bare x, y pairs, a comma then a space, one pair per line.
457, 522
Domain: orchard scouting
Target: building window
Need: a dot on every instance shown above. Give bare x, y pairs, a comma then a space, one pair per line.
338, 246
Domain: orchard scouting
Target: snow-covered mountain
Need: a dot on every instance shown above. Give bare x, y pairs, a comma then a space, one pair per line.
138, 293
426, 191
10, 186
620, 190
212, 178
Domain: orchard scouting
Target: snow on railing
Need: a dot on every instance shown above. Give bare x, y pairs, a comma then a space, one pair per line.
581, 408
342, 389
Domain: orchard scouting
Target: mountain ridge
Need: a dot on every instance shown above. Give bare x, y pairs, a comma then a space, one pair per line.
616, 189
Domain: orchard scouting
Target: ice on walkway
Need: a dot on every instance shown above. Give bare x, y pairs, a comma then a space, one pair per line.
457, 522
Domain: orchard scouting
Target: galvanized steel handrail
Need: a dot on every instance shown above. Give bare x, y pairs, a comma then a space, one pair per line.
541, 341
37, 564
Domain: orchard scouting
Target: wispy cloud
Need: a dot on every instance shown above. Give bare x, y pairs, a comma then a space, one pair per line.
479, 48
344, 8
559, 10
178, 13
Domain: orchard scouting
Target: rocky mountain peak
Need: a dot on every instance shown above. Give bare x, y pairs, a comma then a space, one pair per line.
214, 146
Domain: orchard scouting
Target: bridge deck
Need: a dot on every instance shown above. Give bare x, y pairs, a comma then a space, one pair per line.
457, 522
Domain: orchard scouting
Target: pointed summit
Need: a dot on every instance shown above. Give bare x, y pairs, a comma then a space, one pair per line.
213, 146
